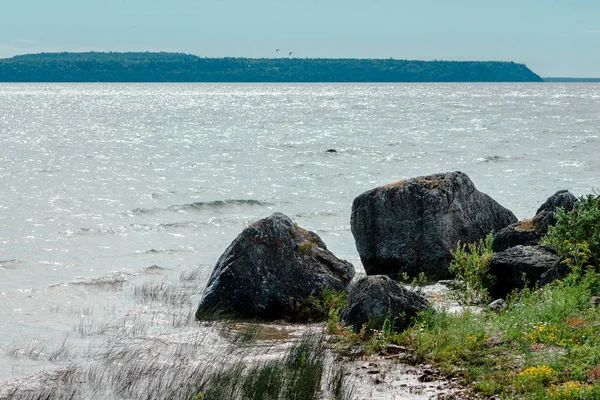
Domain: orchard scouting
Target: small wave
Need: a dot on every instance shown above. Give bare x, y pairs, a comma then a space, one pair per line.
200, 205
575, 164
144, 210
90, 231
154, 269
493, 159
343, 228
181, 224
218, 204
114, 279
132, 228
9, 264
166, 251
316, 213
161, 226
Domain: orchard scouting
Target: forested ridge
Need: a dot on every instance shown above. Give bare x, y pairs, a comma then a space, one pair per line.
179, 67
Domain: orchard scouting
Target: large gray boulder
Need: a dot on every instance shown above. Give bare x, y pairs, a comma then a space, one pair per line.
372, 299
412, 226
508, 268
270, 267
529, 232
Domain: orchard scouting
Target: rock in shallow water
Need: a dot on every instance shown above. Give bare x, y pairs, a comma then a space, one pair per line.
372, 299
268, 268
412, 226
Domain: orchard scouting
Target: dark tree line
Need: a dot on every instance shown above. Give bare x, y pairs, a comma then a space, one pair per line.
177, 67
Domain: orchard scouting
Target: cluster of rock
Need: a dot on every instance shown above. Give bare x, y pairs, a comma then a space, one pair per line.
517, 254
413, 226
408, 227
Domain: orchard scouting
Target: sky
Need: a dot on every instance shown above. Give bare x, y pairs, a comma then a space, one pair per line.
552, 37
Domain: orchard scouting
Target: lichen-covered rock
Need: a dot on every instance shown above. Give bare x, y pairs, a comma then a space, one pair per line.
372, 299
509, 266
268, 268
412, 226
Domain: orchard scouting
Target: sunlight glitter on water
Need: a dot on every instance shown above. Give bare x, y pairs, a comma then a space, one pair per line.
107, 180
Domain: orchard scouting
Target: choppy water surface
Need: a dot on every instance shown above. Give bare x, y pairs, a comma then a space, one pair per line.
101, 182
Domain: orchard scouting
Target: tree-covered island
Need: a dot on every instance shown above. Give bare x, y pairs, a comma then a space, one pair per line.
179, 67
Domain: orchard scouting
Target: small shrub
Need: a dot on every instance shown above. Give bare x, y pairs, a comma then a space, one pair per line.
470, 264
419, 280
306, 247
326, 306
534, 377
576, 235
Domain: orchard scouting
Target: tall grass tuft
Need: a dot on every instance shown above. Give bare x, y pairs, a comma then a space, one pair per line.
296, 376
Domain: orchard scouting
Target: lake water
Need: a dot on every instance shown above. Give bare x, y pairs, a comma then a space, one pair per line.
100, 182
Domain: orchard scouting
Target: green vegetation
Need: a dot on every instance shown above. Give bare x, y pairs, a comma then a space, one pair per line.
545, 337
306, 247
470, 265
178, 67
296, 376
326, 306
545, 344
576, 235
417, 281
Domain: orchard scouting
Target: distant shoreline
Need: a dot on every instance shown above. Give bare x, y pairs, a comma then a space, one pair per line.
574, 80
179, 67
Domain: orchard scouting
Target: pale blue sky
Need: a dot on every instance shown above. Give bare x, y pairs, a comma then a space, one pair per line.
554, 38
